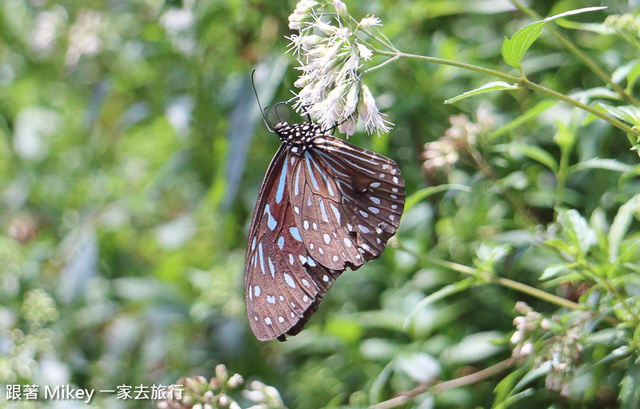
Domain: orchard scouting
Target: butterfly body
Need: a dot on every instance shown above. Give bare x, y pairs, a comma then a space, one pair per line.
324, 205
298, 136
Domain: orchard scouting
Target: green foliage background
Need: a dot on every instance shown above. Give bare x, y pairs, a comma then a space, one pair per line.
131, 154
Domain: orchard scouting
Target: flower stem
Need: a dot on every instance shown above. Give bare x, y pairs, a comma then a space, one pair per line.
554, 94
521, 81
443, 61
368, 70
543, 295
404, 397
573, 49
505, 282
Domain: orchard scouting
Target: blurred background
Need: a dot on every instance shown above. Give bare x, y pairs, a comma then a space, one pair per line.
131, 155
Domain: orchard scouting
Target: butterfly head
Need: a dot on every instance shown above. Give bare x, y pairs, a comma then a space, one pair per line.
299, 136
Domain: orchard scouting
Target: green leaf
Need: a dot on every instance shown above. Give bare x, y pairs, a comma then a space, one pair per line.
623, 71
422, 194
514, 48
594, 93
632, 77
603, 163
630, 388
532, 152
555, 270
616, 355
559, 245
504, 388
517, 397
576, 230
492, 86
376, 392
531, 114
627, 113
620, 226
533, 374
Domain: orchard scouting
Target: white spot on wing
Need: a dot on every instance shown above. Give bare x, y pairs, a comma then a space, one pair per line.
271, 268
271, 222
261, 258
323, 210
289, 280
336, 212
281, 183
295, 233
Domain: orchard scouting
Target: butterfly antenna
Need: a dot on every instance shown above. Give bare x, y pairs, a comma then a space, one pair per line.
306, 113
275, 108
258, 99
333, 128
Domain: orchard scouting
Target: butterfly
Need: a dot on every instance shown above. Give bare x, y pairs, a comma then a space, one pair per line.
324, 205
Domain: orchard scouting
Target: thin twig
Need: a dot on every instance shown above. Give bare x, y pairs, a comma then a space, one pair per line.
404, 397
505, 282
521, 81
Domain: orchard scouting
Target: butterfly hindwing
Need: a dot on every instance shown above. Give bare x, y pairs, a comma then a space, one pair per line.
350, 202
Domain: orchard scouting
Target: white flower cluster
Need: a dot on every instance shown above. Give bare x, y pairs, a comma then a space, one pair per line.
330, 53
220, 392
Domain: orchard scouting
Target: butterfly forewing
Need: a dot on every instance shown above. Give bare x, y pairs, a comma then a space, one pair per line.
283, 284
